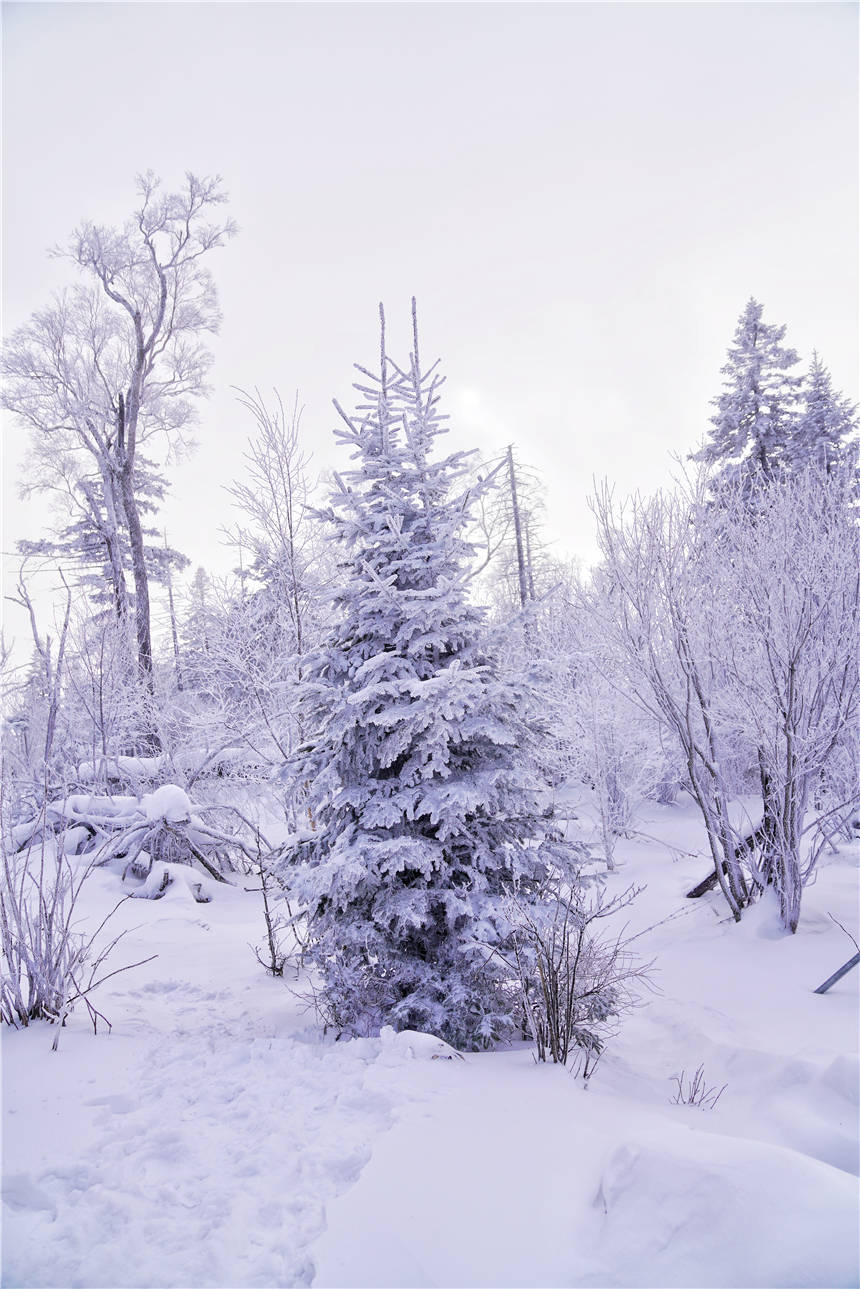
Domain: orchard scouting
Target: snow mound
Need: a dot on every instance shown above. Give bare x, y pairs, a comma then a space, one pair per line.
417, 1046
672, 1213
87, 806
843, 1077
169, 802
179, 878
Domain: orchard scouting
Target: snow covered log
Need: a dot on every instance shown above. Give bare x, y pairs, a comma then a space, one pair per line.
756, 838
121, 769
837, 975
153, 837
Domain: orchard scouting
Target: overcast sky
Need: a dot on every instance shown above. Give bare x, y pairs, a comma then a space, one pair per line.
581, 196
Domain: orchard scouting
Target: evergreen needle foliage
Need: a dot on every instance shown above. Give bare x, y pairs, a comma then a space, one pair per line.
424, 817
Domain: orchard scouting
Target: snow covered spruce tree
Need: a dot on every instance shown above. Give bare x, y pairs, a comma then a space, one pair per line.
756, 410
825, 435
769, 422
424, 820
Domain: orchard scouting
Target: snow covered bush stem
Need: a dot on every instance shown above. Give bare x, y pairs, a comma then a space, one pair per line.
694, 1091
416, 767
271, 954
573, 982
48, 965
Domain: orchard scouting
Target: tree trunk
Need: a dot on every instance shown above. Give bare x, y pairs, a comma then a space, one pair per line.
518, 530
769, 822
173, 631
126, 433
106, 521
529, 565
141, 580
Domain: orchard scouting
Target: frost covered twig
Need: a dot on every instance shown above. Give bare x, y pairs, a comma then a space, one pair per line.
845, 931
695, 1091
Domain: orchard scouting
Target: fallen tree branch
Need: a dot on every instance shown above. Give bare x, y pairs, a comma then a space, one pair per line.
837, 975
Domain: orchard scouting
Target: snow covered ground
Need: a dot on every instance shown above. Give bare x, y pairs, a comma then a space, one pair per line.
214, 1139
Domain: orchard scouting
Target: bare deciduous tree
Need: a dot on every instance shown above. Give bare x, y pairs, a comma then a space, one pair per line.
784, 560
117, 363
736, 622
274, 501
660, 627
35, 705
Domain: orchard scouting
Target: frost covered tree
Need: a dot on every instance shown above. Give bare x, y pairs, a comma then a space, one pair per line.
825, 432
275, 533
508, 530
789, 583
424, 819
87, 543
199, 632
241, 640
285, 564
616, 748
117, 363
757, 407
734, 618
769, 421
659, 626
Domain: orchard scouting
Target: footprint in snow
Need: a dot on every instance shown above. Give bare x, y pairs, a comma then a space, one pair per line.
117, 1102
21, 1192
218, 1163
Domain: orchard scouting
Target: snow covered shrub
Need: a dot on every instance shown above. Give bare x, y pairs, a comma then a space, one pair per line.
575, 983
48, 964
35, 736
417, 766
274, 951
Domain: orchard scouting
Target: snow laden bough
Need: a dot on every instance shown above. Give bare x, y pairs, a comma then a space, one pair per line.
153, 840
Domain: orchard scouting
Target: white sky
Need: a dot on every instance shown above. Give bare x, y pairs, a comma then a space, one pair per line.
582, 197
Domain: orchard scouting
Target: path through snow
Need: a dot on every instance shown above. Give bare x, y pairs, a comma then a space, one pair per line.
214, 1139
210, 1135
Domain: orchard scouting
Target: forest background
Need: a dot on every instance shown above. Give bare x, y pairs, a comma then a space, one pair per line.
581, 197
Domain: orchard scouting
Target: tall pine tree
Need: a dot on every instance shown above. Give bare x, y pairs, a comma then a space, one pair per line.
757, 407
425, 819
769, 422
825, 432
